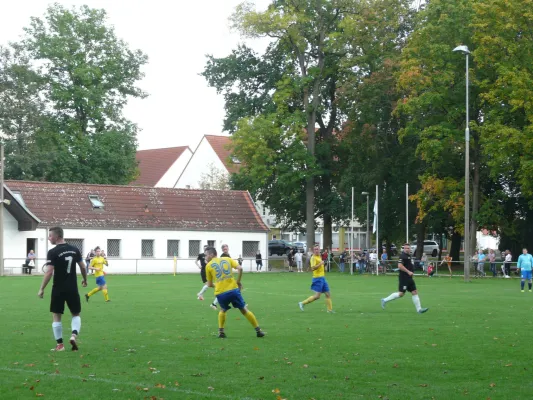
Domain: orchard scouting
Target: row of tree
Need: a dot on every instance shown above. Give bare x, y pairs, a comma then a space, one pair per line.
365, 92
63, 88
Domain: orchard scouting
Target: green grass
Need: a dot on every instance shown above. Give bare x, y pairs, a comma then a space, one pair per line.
473, 343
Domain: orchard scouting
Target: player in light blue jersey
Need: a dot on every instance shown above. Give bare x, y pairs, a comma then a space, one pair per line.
525, 262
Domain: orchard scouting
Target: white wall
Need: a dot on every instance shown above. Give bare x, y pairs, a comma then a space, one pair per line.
203, 157
131, 260
171, 176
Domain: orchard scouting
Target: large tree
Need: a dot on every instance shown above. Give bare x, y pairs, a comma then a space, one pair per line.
86, 75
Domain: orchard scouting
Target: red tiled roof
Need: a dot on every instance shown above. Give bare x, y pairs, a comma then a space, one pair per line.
153, 164
220, 145
137, 207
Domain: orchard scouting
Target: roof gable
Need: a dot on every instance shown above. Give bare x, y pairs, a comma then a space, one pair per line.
153, 164
135, 207
220, 145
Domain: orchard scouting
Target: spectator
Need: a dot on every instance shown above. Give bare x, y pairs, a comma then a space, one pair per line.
431, 270
507, 264
290, 259
492, 260
384, 260
30, 260
258, 261
481, 263
90, 255
424, 262
373, 257
342, 258
298, 257
331, 259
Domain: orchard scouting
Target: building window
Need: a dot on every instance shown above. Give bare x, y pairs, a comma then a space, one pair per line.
194, 248
113, 247
249, 249
147, 248
95, 201
78, 243
173, 248
211, 243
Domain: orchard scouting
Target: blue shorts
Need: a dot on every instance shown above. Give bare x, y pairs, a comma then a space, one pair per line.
100, 281
232, 297
526, 275
319, 285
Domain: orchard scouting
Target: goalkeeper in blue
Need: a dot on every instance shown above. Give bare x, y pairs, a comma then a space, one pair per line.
525, 262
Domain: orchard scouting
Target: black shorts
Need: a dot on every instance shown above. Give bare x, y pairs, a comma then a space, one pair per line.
202, 273
407, 284
58, 300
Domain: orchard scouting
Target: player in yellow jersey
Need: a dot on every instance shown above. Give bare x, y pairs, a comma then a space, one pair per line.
227, 289
319, 284
97, 265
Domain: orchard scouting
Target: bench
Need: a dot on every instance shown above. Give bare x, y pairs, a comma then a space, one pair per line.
26, 269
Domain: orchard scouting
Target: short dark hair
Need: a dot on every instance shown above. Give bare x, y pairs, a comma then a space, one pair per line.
211, 250
58, 231
406, 244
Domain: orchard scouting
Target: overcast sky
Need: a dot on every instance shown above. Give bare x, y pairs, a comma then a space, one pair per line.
176, 35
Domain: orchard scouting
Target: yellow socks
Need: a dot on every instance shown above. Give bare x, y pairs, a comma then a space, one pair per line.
106, 296
221, 319
329, 304
95, 290
309, 300
251, 317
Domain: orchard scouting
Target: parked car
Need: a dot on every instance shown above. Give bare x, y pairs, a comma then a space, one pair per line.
301, 246
279, 247
430, 247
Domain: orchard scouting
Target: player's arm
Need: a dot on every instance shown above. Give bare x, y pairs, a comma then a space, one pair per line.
404, 269
238, 267
83, 271
46, 278
313, 267
196, 262
209, 276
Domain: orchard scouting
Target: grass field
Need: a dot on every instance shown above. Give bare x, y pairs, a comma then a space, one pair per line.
155, 340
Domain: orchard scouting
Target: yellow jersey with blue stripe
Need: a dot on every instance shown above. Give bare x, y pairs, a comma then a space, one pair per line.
319, 272
219, 271
98, 262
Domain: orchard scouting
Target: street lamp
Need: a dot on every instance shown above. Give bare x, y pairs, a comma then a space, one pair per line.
367, 221
464, 49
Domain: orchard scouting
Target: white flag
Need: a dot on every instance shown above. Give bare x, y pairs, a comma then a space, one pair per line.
375, 216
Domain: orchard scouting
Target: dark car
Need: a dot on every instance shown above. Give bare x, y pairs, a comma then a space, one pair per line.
279, 247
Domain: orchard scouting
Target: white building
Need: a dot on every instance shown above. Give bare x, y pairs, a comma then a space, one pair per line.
142, 229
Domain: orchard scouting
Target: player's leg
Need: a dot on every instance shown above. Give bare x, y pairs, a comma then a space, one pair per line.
98, 287
238, 302
200, 294
317, 285
522, 281
329, 303
106, 295
214, 304
57, 307
402, 288
74, 305
416, 299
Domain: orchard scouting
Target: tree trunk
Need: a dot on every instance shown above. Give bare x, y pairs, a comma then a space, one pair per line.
455, 248
327, 231
420, 236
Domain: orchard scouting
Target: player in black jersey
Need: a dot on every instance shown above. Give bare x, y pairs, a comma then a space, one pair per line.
407, 283
61, 262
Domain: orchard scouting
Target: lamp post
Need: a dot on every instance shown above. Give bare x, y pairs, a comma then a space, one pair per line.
464, 49
367, 221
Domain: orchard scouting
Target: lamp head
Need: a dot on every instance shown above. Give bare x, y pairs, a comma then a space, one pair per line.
463, 49
364, 193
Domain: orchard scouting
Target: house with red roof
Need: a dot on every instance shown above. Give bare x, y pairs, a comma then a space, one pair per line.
141, 228
161, 167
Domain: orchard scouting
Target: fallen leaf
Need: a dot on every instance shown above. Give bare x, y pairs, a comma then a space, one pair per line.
149, 362
39, 395
508, 365
15, 363
30, 365
198, 374
84, 380
31, 388
57, 371
434, 345
256, 348
395, 366
86, 366
423, 385
289, 363
152, 369
176, 383
492, 384
306, 366
211, 388
116, 390
38, 380
145, 389
275, 390
346, 378
160, 386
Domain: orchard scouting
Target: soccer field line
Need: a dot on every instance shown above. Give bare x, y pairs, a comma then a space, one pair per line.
124, 383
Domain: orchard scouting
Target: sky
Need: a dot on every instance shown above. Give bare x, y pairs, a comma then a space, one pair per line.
176, 36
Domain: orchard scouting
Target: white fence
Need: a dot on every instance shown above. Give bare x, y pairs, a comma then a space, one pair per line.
14, 266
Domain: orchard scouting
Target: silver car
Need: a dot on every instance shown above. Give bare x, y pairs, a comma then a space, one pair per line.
430, 247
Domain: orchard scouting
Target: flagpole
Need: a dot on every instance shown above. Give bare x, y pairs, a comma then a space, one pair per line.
351, 236
406, 213
378, 245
